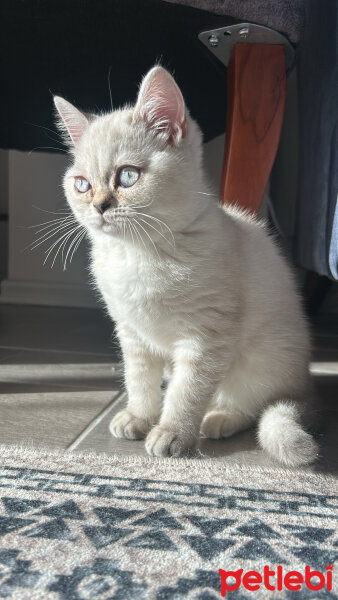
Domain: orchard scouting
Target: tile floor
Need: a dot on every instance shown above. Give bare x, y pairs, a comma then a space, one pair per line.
60, 385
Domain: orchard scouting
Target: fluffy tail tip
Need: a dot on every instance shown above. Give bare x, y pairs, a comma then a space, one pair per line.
281, 435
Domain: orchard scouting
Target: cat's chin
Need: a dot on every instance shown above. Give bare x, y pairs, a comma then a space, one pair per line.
114, 227
105, 225
109, 228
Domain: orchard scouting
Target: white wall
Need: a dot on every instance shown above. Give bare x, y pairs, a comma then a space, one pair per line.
35, 187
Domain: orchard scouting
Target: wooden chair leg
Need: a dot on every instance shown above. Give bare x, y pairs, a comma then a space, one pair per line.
255, 110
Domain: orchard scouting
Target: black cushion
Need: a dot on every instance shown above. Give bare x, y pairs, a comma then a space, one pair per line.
67, 47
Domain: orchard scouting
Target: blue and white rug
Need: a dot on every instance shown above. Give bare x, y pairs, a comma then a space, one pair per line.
76, 527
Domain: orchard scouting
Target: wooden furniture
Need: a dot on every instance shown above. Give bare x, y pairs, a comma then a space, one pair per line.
255, 110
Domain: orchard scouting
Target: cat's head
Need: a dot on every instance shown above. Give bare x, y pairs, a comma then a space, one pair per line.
133, 165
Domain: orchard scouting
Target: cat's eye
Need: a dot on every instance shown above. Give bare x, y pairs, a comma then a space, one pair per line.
128, 176
82, 185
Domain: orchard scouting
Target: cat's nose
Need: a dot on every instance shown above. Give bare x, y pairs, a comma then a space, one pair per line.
101, 207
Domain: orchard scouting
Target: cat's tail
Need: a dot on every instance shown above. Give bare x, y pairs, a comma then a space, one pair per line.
281, 435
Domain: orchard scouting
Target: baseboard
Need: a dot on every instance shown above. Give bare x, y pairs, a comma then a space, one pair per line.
47, 294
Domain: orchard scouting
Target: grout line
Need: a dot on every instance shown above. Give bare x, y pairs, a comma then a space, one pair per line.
25, 388
95, 422
27, 348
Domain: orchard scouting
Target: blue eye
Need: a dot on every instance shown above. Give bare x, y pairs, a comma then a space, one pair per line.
82, 185
128, 176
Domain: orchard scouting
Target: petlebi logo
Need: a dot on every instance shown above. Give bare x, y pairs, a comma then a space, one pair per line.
276, 580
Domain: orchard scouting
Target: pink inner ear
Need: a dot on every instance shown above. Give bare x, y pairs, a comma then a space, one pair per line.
161, 105
74, 120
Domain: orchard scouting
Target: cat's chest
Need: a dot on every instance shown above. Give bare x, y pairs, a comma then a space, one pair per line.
145, 295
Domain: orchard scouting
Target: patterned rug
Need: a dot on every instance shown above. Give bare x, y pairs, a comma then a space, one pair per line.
96, 527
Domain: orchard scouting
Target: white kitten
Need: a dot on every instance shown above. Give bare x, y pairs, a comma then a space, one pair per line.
189, 284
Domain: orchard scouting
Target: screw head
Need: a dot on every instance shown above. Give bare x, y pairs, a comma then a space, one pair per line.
213, 40
244, 32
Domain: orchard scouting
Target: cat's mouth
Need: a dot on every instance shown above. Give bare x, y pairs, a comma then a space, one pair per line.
113, 222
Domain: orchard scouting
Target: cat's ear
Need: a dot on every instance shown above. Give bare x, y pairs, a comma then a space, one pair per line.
72, 121
160, 104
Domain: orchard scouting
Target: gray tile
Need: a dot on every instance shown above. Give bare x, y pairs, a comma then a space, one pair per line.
50, 419
99, 438
57, 329
33, 356
240, 448
27, 377
9, 356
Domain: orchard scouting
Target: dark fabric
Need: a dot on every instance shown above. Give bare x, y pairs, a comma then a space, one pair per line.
67, 48
286, 16
316, 239
333, 208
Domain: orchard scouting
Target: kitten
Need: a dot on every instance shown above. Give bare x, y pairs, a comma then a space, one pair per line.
191, 285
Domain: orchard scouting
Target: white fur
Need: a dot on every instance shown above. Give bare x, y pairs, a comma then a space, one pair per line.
202, 289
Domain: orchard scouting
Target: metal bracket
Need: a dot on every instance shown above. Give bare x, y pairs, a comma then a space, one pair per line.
221, 41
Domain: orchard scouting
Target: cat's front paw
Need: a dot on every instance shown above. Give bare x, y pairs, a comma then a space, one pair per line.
126, 425
162, 441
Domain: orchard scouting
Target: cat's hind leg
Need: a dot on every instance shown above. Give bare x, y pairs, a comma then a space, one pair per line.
219, 424
230, 411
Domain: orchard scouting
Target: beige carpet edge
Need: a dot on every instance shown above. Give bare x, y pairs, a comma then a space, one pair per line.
173, 465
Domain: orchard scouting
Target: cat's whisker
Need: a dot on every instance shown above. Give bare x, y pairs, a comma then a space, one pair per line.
62, 247
133, 206
65, 221
160, 223
136, 232
131, 232
151, 241
59, 140
41, 224
59, 222
45, 148
159, 232
77, 245
109, 88
50, 235
71, 245
133, 225
62, 211
65, 235
46, 236
65, 244
62, 237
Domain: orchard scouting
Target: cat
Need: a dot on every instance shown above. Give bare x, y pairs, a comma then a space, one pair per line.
193, 287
